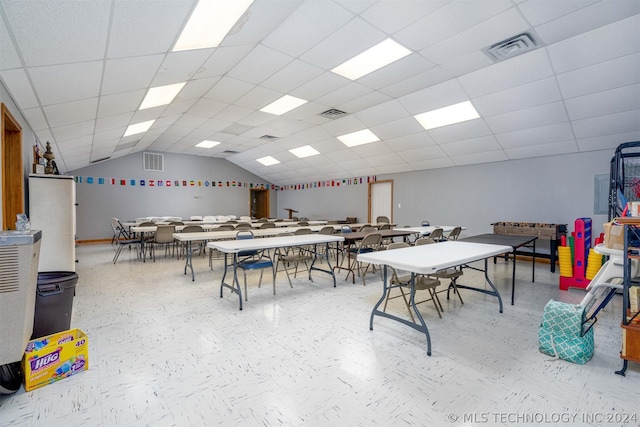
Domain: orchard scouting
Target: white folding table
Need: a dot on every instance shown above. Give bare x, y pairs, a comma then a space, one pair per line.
429, 259
233, 247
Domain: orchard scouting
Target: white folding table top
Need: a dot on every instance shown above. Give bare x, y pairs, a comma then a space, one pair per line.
234, 246
427, 259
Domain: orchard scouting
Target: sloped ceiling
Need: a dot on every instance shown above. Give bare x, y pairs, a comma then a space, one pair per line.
79, 71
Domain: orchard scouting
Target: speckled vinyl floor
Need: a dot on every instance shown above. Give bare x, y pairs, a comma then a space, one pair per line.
166, 351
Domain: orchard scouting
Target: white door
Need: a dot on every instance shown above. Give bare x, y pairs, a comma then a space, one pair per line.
380, 200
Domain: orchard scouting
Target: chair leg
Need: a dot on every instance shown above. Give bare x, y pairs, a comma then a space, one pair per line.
246, 297
436, 301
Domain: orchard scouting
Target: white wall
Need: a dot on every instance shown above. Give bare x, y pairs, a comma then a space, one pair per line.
97, 204
555, 189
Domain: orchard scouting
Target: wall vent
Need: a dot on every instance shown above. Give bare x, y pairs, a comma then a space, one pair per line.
152, 161
9, 269
511, 47
100, 160
333, 113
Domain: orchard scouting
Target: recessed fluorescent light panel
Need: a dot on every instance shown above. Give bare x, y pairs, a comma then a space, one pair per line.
305, 151
284, 104
360, 137
138, 128
455, 113
372, 59
210, 22
161, 95
207, 144
268, 161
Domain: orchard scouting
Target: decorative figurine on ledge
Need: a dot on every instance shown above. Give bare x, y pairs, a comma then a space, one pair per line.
49, 156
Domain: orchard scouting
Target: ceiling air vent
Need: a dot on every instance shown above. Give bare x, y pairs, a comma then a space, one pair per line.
333, 113
152, 161
511, 47
268, 137
100, 160
230, 152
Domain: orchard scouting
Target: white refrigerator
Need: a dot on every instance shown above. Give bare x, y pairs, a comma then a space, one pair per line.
52, 209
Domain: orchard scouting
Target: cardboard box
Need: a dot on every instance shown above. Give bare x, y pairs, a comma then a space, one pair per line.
613, 236
54, 357
634, 298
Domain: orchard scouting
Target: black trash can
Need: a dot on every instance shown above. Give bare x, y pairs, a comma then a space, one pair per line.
54, 302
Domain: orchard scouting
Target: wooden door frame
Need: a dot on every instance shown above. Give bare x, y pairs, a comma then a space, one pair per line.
12, 168
268, 201
369, 219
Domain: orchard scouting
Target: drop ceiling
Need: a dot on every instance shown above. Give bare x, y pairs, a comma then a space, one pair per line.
78, 71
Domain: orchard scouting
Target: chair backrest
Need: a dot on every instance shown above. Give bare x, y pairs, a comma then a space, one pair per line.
303, 231
195, 218
453, 235
397, 245
368, 228
146, 224
425, 223
382, 219
278, 220
371, 240
346, 229
263, 219
424, 241
209, 218
385, 227
244, 235
268, 225
243, 226
245, 218
303, 223
164, 233
176, 223
436, 234
327, 230
192, 229
224, 227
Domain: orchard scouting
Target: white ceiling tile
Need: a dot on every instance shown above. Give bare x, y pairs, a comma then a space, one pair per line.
179, 67
608, 42
353, 38
233, 113
540, 150
154, 29
605, 142
76, 130
464, 64
423, 154
476, 158
260, 64
108, 137
20, 88
178, 107
383, 113
390, 16
540, 92
343, 125
344, 94
386, 158
432, 76
293, 75
399, 70
35, 118
471, 146
190, 120
83, 142
396, 168
257, 118
312, 22
195, 88
589, 17
628, 121
486, 33
71, 112
258, 97
459, 131
110, 105
8, 53
410, 142
540, 115
325, 83
619, 72
63, 83
207, 108
448, 20
444, 162
222, 60
119, 78
533, 136
405, 126
228, 90
538, 12
516, 71
436, 96
147, 114
365, 101
602, 103
75, 32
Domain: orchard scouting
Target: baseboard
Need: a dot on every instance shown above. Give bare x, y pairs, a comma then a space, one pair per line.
92, 242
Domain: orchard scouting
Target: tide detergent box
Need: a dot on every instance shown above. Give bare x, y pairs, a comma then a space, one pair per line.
54, 357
